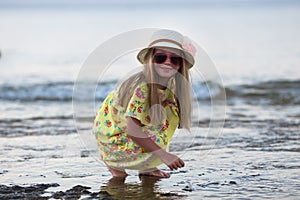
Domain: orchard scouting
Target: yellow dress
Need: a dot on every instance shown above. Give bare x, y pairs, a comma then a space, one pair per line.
116, 148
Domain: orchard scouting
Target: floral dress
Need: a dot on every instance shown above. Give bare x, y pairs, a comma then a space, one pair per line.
115, 147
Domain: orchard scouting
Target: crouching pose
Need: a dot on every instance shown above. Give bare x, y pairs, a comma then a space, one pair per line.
136, 122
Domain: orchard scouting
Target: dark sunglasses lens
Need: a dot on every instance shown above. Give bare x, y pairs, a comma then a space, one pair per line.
176, 60
160, 58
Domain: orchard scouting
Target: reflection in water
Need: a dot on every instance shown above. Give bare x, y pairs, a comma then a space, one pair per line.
146, 189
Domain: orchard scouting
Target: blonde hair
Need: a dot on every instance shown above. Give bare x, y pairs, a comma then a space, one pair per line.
182, 91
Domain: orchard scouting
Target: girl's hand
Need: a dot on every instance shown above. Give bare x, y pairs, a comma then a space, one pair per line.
139, 137
171, 160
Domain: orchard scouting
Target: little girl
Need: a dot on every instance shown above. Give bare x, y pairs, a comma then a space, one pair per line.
135, 123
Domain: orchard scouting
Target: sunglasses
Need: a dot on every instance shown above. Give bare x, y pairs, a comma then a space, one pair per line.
160, 58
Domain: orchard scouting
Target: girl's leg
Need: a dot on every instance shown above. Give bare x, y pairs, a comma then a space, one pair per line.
154, 172
117, 172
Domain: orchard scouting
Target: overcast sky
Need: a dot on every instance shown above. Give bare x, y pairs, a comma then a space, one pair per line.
4, 3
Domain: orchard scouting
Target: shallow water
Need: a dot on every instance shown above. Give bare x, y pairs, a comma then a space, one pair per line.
253, 158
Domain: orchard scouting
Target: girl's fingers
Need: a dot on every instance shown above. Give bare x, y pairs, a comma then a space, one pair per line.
173, 166
176, 164
181, 163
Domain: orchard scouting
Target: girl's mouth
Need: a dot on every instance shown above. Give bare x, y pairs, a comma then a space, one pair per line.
166, 68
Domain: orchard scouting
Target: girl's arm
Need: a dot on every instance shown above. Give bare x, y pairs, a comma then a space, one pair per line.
135, 132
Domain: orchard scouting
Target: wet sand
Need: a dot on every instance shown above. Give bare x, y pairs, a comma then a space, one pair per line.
59, 167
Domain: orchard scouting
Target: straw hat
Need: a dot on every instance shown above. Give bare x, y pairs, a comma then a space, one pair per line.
173, 40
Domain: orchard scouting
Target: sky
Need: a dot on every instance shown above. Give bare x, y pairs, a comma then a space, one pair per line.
126, 3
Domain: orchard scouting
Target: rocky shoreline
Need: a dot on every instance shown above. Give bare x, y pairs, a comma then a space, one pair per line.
38, 191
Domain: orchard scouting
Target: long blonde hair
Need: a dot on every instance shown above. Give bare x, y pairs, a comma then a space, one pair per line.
148, 75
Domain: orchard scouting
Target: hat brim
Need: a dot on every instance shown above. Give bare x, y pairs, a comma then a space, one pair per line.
188, 58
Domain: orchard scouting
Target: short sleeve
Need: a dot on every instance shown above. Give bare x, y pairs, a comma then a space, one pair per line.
137, 107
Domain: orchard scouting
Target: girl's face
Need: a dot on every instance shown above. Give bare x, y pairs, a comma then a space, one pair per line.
167, 63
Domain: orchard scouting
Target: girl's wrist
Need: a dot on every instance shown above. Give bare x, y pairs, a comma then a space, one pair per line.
159, 152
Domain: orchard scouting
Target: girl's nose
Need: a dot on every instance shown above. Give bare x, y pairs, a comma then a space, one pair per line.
168, 61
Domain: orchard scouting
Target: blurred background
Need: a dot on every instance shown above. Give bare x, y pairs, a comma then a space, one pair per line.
44, 43
249, 40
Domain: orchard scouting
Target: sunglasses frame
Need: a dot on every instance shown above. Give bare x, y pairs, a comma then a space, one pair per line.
174, 59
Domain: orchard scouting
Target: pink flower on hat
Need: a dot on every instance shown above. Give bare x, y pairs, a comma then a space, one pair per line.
188, 46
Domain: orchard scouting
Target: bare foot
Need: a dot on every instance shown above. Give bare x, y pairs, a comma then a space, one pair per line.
155, 173
117, 172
